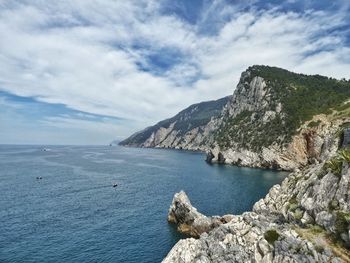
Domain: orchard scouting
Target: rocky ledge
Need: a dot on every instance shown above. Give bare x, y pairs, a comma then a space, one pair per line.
305, 219
189, 221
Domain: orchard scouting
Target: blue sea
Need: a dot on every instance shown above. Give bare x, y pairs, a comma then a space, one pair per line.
74, 214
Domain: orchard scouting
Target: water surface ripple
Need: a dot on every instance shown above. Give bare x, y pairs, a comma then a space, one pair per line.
74, 214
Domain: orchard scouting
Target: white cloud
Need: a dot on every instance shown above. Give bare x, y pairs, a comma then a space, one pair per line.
84, 53
79, 128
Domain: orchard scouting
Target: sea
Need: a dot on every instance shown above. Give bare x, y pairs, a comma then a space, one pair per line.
58, 203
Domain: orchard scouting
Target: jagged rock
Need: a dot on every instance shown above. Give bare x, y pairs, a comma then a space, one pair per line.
307, 219
189, 220
273, 232
190, 129
209, 157
221, 158
310, 195
346, 137
198, 128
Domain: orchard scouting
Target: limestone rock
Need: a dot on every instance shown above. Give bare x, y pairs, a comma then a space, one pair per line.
199, 128
278, 230
189, 220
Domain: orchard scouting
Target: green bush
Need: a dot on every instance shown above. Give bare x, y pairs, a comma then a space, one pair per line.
293, 204
271, 236
301, 96
314, 124
344, 155
342, 222
335, 165
298, 214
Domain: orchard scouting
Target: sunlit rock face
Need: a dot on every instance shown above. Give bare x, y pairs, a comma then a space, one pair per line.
268, 122
191, 129
188, 220
305, 219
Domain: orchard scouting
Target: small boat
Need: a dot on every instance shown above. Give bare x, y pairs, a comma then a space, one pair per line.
39, 178
45, 149
115, 185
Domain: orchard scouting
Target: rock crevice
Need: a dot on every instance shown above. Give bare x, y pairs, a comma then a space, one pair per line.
188, 220
255, 127
305, 219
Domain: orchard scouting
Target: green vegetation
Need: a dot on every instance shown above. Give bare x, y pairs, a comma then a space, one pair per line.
322, 240
271, 236
198, 115
343, 106
335, 164
333, 205
319, 249
341, 130
301, 96
342, 226
321, 173
316, 229
314, 123
192, 117
344, 155
292, 204
342, 222
294, 207
298, 214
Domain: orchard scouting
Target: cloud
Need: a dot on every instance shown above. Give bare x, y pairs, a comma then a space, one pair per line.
133, 60
27, 121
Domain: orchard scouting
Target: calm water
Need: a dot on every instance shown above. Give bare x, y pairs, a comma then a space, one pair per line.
74, 214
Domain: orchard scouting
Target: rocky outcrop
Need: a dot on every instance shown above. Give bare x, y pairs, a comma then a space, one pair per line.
255, 112
251, 94
305, 219
310, 145
189, 221
275, 119
260, 125
190, 129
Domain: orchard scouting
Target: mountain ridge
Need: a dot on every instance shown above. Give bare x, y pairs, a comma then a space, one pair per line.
281, 120
193, 117
274, 119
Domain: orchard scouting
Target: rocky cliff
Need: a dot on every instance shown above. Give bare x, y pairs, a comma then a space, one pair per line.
305, 219
190, 129
279, 119
189, 220
275, 119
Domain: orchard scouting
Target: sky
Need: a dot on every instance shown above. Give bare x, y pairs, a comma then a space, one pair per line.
89, 72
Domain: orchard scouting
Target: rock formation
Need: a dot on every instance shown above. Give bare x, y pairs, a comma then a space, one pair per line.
305, 219
275, 119
189, 220
190, 129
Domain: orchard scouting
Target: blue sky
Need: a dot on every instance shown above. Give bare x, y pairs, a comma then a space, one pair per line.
88, 72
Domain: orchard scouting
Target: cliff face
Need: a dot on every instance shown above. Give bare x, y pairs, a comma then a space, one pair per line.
190, 129
189, 220
306, 147
279, 119
275, 119
305, 219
